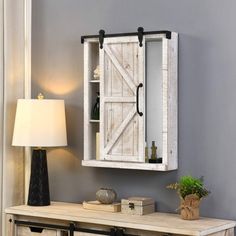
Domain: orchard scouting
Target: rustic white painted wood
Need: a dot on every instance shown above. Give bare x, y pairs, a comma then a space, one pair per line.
94, 81
125, 165
138, 210
141, 119
172, 148
156, 222
25, 231
121, 64
122, 131
169, 100
165, 101
87, 127
91, 55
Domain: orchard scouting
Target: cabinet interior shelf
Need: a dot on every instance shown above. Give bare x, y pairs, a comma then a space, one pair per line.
125, 165
94, 121
94, 81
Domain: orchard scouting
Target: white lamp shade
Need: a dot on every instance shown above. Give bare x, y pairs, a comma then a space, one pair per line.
40, 123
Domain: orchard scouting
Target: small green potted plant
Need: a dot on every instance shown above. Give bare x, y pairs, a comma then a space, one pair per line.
191, 191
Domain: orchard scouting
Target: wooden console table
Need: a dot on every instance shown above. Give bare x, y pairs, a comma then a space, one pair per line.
61, 219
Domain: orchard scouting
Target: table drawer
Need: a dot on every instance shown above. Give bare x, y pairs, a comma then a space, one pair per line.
34, 231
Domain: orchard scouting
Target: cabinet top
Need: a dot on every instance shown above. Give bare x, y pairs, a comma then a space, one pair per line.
158, 222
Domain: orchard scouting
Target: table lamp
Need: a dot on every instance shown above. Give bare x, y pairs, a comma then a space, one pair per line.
39, 123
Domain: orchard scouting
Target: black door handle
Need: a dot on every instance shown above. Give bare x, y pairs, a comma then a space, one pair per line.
137, 99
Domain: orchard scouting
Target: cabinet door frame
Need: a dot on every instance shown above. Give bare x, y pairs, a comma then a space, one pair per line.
132, 84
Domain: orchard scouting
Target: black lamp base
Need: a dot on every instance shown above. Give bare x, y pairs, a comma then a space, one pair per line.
39, 187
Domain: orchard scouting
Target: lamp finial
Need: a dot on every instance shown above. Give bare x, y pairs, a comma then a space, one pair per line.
40, 96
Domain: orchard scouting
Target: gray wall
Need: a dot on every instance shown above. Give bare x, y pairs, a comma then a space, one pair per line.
207, 82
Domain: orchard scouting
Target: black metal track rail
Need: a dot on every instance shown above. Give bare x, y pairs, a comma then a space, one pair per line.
139, 33
38, 227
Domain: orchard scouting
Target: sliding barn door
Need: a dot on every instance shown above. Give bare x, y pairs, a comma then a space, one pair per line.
122, 96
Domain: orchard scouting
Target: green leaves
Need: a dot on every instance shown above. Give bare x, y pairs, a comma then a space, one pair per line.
190, 185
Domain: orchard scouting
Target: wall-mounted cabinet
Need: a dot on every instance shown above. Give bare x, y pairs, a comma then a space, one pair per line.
138, 101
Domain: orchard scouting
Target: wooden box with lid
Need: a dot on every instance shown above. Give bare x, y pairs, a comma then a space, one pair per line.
137, 206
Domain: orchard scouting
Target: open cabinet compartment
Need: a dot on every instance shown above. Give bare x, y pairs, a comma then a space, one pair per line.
124, 65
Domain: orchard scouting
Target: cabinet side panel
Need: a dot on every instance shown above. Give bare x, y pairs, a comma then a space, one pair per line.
87, 128
116, 108
165, 91
173, 102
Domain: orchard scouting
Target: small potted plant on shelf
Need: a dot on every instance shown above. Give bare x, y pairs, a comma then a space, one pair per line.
191, 191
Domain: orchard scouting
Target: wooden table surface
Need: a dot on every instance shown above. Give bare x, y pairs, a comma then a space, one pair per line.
157, 222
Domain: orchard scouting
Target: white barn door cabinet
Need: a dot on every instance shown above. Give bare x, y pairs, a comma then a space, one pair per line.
137, 83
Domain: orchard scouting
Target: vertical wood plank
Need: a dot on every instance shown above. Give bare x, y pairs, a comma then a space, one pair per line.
87, 102
172, 103
103, 112
136, 119
128, 134
141, 119
108, 105
116, 91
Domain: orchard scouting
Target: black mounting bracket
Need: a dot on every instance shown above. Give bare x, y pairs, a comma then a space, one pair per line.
140, 36
168, 35
101, 37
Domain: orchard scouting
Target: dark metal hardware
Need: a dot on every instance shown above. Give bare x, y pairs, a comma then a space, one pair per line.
168, 35
120, 232
72, 229
113, 232
101, 37
131, 205
137, 99
38, 227
166, 32
140, 36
